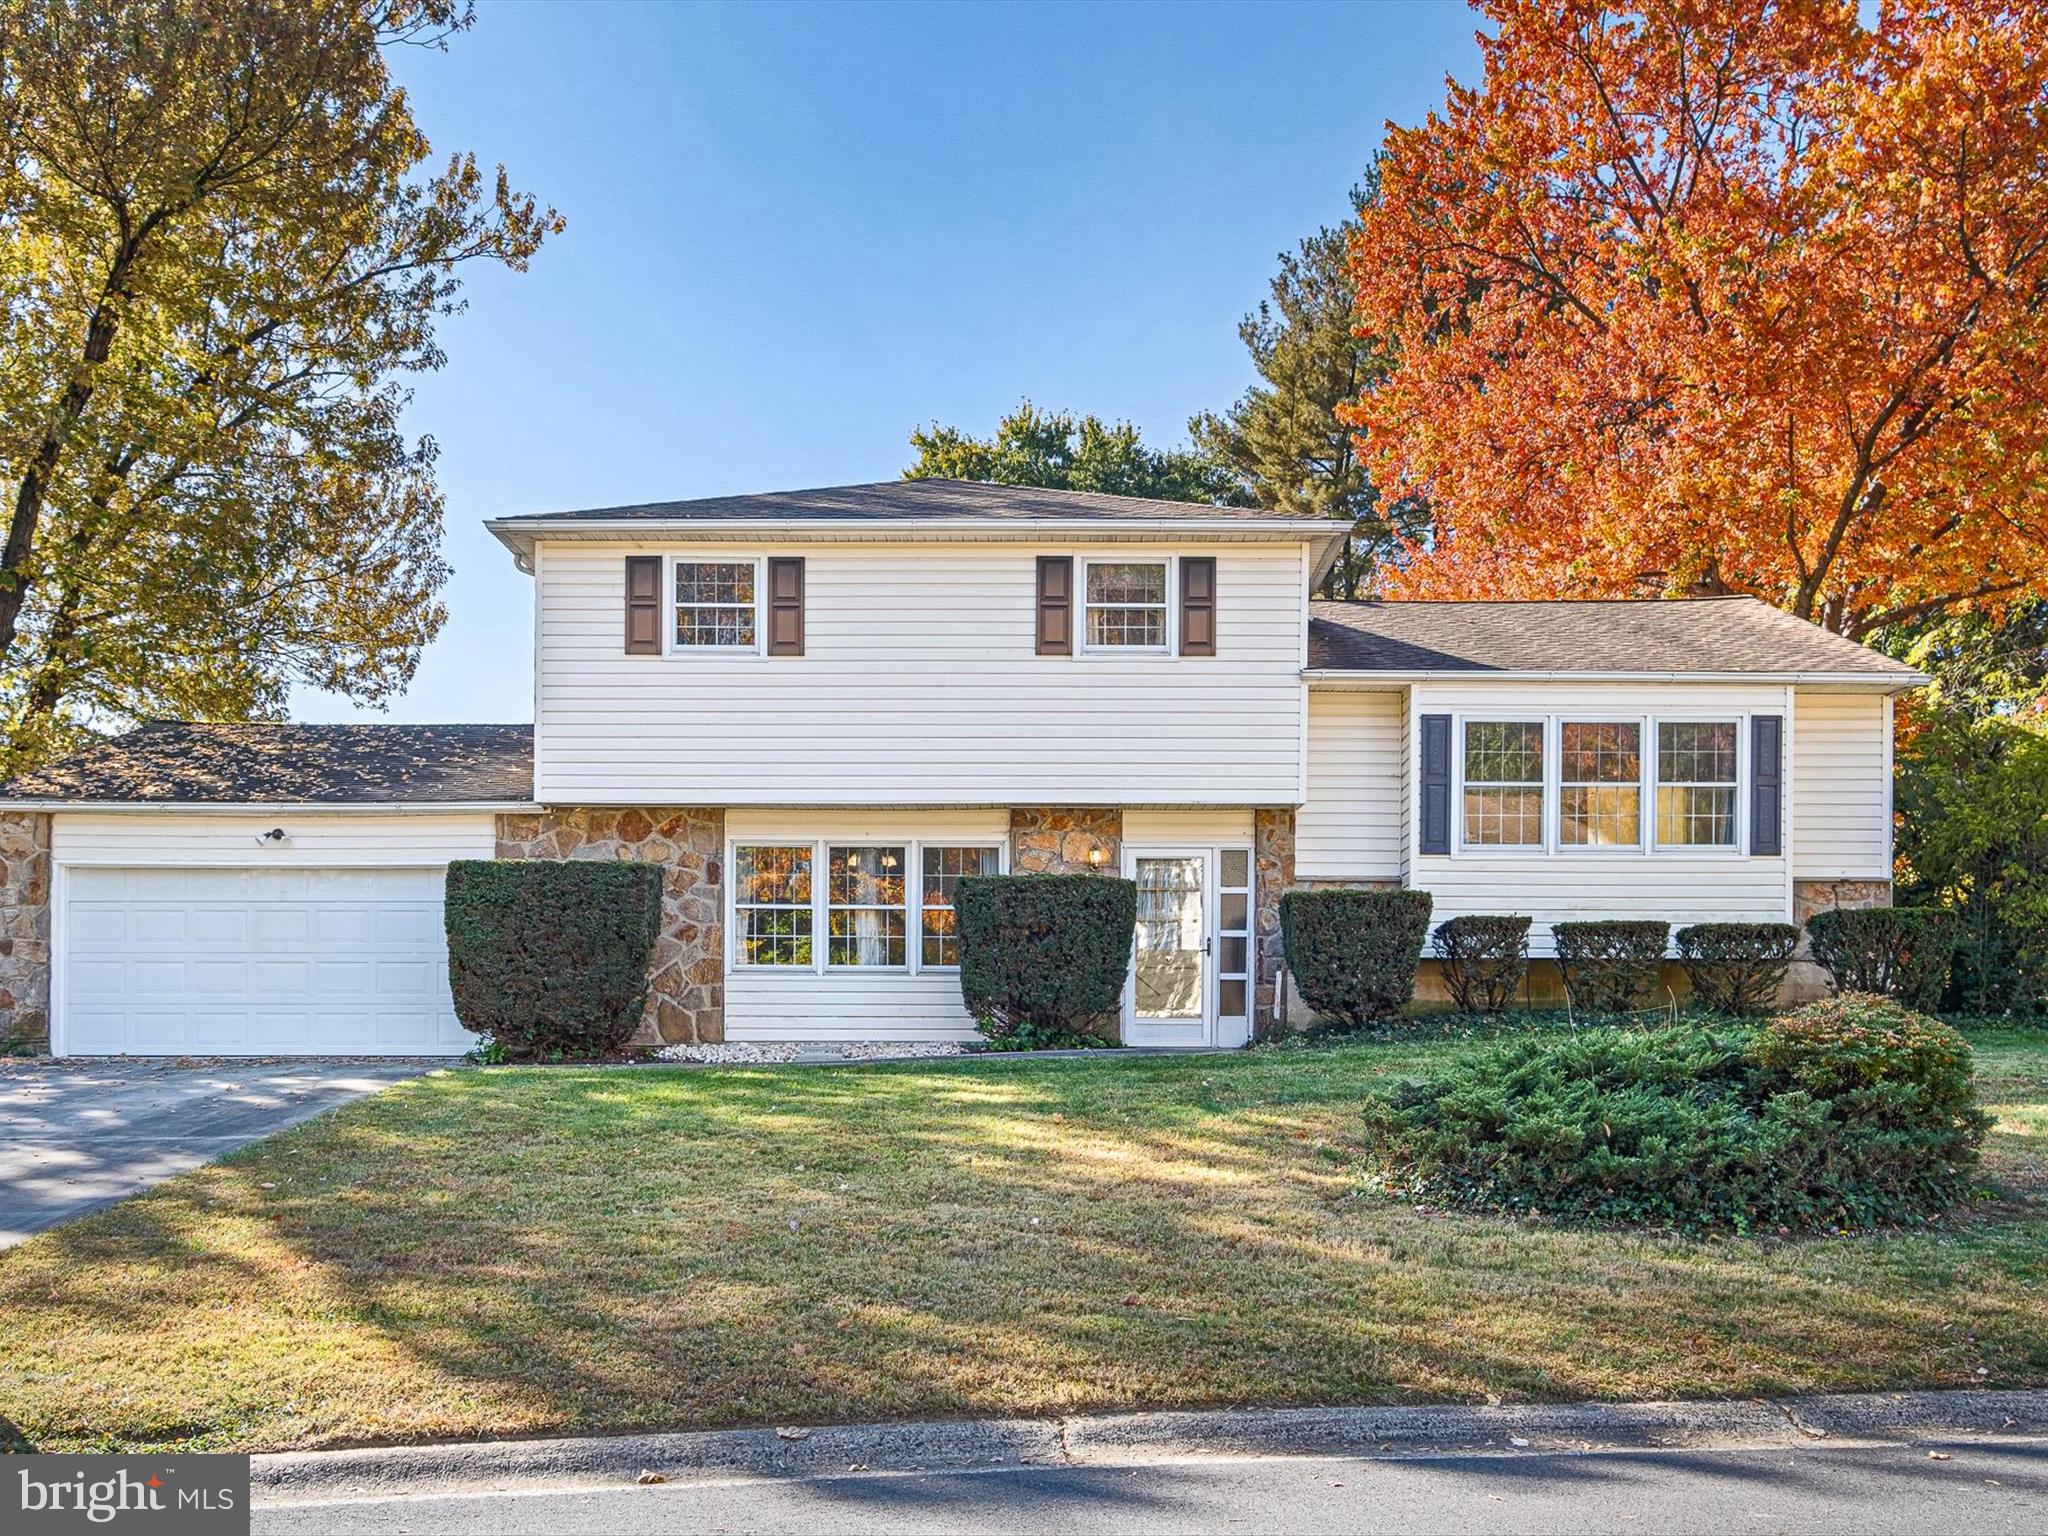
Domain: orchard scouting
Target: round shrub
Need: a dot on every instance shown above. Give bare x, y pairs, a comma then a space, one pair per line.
1043, 958
1735, 968
1901, 952
1609, 967
1353, 954
1484, 960
547, 958
1819, 1120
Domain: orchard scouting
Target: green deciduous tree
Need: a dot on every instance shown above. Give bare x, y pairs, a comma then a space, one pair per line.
1065, 452
1283, 438
221, 249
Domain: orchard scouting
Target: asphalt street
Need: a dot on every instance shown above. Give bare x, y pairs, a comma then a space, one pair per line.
1985, 1487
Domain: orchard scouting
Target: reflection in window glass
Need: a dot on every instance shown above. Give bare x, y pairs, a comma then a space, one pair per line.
772, 904
1696, 783
943, 868
1504, 783
864, 913
715, 603
1600, 771
1126, 602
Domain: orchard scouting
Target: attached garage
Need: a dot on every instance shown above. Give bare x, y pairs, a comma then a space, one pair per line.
260, 962
301, 917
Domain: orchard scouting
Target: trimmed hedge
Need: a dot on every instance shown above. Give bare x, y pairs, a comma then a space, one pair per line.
1849, 1113
548, 957
1485, 960
1353, 954
1899, 952
1610, 967
1043, 957
1735, 968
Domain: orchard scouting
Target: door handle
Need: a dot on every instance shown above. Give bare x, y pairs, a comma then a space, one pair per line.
1206, 942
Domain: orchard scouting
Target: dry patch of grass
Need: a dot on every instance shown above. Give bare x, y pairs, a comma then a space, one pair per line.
565, 1251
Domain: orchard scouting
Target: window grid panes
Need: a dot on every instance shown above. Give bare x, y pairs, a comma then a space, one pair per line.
715, 603
772, 904
1233, 933
1600, 775
864, 907
1503, 801
943, 867
1696, 766
1126, 603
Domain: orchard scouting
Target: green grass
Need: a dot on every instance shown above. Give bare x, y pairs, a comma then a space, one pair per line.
523, 1252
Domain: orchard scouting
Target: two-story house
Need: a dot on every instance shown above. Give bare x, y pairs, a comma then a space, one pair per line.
819, 709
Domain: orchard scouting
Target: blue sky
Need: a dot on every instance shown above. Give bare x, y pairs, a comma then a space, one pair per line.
798, 231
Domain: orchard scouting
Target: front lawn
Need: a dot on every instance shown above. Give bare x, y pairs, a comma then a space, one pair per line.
524, 1252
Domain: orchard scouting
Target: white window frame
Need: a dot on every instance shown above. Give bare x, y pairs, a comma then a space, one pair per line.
1546, 726
821, 906
1553, 722
1082, 605
1742, 785
1646, 776
670, 606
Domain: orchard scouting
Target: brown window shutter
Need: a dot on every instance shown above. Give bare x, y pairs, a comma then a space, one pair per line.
785, 607
1198, 606
643, 605
1055, 605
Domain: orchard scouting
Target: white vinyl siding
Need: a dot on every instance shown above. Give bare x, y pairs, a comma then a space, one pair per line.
919, 685
1352, 827
848, 1002
1150, 826
1582, 883
1839, 767
322, 838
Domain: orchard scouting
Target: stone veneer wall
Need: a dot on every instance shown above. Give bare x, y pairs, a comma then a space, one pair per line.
1057, 840
25, 928
1272, 878
686, 990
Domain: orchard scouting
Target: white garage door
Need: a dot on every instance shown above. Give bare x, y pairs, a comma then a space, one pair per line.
248, 962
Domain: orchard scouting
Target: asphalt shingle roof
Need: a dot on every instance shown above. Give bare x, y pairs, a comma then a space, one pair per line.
1704, 635
339, 764
907, 500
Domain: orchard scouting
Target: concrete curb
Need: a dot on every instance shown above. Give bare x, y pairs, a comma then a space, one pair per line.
1131, 1438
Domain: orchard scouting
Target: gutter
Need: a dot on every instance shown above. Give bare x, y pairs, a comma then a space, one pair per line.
1889, 682
273, 807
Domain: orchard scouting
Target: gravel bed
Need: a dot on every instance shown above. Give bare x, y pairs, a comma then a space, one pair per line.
747, 1053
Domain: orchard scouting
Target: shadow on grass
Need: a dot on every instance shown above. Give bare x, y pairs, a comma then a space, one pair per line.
570, 1251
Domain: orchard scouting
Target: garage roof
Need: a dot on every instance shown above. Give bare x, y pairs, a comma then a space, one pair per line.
181, 762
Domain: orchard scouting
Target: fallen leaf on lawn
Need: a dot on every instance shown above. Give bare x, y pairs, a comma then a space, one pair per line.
1939, 1456
789, 1432
650, 1477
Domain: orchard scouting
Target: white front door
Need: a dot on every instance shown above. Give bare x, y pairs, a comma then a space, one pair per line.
1191, 963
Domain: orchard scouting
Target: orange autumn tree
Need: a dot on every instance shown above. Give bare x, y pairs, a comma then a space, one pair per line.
1721, 296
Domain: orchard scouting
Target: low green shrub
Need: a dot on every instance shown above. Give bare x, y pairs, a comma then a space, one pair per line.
1610, 967
1043, 958
1484, 960
547, 958
1898, 952
1735, 968
1353, 954
1850, 1113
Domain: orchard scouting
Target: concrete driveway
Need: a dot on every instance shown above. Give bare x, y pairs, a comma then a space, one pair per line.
77, 1135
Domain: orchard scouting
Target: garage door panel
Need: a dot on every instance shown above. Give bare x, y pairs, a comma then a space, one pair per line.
225, 962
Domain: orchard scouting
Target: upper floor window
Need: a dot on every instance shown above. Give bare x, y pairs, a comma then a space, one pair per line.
1126, 605
1600, 779
1696, 783
715, 604
1504, 783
